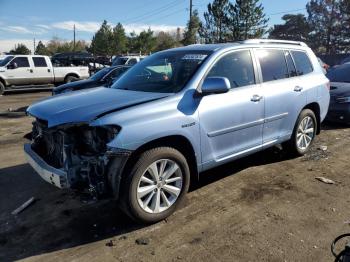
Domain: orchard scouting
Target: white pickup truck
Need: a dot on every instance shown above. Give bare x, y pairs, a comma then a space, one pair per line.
34, 71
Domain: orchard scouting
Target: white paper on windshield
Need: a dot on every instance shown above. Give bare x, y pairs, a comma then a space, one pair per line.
199, 57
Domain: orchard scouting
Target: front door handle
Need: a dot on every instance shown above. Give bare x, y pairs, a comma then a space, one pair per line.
256, 98
298, 88
48, 70
30, 70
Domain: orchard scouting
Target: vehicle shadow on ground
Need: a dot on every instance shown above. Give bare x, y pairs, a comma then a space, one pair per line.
59, 220
333, 126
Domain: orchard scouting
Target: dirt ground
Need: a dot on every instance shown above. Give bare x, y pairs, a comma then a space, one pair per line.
265, 207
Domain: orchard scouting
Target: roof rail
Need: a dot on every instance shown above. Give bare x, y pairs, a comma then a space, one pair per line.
272, 41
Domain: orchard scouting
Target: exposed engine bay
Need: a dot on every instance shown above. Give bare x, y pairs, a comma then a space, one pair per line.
78, 149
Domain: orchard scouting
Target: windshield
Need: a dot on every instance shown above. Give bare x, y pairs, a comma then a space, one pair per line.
6, 60
164, 72
340, 74
98, 75
120, 61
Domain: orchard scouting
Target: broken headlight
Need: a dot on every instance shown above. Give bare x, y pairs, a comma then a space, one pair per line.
93, 140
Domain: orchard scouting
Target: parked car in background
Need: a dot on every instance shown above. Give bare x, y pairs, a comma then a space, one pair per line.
176, 114
127, 60
72, 59
34, 71
104, 77
345, 60
339, 107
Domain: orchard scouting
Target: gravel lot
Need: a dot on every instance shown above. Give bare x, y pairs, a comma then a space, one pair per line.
265, 206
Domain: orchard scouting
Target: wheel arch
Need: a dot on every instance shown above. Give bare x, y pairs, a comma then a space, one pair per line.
315, 107
3, 81
179, 142
71, 74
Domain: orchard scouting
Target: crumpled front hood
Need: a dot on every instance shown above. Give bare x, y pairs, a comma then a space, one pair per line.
87, 105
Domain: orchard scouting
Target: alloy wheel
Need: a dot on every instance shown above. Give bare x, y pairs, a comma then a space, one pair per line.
159, 186
305, 133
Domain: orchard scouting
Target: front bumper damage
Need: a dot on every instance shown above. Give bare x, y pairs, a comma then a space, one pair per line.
54, 176
77, 157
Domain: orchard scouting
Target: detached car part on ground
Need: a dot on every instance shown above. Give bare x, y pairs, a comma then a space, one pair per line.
175, 114
339, 107
105, 77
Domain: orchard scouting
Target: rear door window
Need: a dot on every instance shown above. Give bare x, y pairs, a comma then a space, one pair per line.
290, 63
273, 64
21, 61
39, 62
237, 67
302, 62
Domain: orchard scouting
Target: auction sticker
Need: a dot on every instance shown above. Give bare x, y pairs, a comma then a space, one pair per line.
194, 57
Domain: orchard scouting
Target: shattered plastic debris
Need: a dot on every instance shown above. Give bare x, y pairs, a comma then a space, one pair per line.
325, 180
323, 148
23, 206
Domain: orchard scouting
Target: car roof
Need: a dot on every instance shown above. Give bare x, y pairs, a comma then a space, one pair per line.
29, 55
245, 43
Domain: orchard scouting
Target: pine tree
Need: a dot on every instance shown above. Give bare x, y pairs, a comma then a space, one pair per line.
119, 39
146, 42
214, 28
295, 28
101, 43
246, 20
327, 22
20, 49
41, 49
191, 31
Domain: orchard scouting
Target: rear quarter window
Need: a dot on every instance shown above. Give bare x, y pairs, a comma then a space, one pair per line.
302, 62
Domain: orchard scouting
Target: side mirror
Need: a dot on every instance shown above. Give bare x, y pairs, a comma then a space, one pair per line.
12, 66
215, 85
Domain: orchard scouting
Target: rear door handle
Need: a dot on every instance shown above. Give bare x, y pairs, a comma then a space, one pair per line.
256, 98
48, 70
30, 70
298, 88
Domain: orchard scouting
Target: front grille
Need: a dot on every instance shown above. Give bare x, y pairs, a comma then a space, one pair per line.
48, 143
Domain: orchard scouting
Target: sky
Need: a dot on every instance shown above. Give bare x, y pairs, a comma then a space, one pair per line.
23, 20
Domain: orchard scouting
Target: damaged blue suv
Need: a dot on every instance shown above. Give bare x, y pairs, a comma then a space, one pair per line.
175, 114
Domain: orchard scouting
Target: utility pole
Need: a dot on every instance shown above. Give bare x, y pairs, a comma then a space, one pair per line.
191, 5
34, 46
74, 37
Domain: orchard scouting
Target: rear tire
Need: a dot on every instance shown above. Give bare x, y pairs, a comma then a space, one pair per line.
2, 89
303, 135
69, 79
165, 193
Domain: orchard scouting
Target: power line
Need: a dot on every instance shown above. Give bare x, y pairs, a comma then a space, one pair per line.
153, 12
167, 15
286, 12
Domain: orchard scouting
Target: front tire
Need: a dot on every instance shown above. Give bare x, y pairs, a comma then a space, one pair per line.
156, 185
69, 79
2, 89
304, 133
